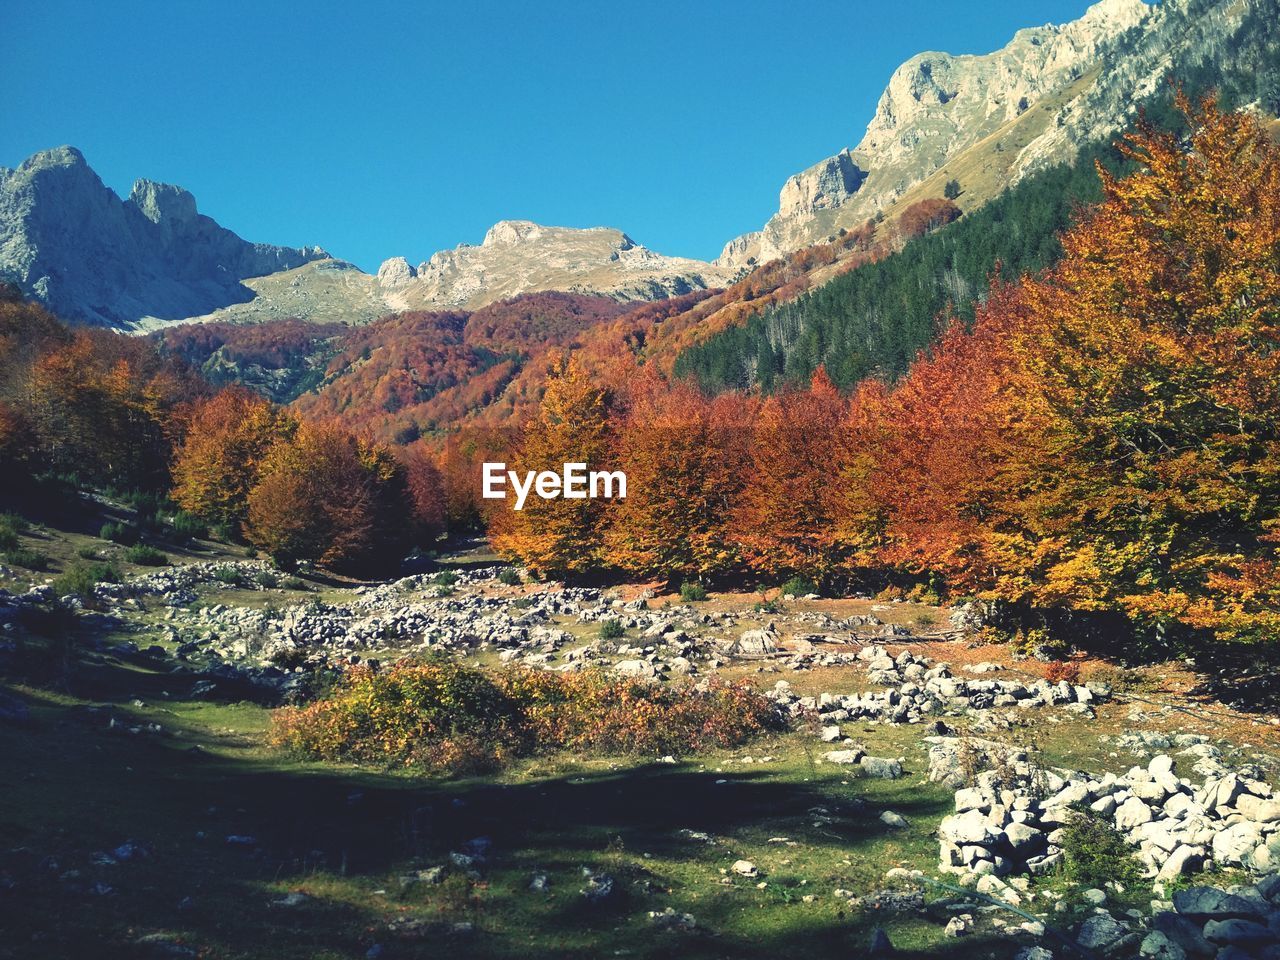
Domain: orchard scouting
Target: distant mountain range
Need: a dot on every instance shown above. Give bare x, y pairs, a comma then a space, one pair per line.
966, 126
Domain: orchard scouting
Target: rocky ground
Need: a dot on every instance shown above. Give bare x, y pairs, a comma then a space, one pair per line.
945, 772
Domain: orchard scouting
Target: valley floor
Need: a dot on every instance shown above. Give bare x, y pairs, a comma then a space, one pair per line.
142, 813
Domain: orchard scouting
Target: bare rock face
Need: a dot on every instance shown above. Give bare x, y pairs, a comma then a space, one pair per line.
396, 272
69, 241
518, 256
989, 120
826, 184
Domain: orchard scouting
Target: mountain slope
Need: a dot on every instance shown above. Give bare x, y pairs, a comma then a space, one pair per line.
989, 121
516, 257
69, 241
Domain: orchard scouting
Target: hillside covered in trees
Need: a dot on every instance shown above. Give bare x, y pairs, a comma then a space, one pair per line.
1096, 436
1099, 441
874, 321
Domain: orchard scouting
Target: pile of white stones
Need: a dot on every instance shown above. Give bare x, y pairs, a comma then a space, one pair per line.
919, 689
1011, 820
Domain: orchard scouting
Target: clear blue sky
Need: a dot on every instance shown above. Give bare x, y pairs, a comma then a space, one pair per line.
378, 130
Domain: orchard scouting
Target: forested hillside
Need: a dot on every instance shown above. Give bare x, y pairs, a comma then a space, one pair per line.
1101, 439
874, 320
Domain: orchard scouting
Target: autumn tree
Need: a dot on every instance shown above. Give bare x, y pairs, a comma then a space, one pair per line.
1105, 438
102, 406
684, 457
424, 484
1151, 355
561, 536
325, 496
784, 521
217, 463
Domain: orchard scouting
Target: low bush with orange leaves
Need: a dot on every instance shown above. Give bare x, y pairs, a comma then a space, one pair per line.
451, 717
1060, 670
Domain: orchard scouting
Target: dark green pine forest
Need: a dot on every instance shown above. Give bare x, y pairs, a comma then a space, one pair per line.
873, 321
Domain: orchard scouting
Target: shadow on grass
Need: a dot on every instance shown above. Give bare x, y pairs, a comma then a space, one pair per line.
228, 831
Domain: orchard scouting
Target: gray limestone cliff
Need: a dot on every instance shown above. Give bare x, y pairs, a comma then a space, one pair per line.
989, 120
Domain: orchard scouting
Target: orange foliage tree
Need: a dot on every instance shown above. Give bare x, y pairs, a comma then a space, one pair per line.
424, 485
684, 457
324, 495
559, 536
217, 463
103, 406
785, 518
1153, 359
1106, 437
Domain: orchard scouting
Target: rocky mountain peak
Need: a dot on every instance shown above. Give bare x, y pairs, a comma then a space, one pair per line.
936, 106
163, 202
511, 231
56, 158
396, 272
70, 241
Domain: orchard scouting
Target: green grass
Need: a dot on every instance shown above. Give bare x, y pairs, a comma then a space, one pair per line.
344, 835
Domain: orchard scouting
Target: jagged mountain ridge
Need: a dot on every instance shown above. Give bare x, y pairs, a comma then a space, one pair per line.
990, 120
69, 241
516, 257
986, 121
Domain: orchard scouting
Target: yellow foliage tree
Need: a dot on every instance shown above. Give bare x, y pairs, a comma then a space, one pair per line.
560, 536
217, 464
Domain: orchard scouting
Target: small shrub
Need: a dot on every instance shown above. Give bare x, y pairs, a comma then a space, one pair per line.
768, 606
1060, 670
693, 592
922, 593
80, 579
611, 629
189, 526
267, 579
222, 532
798, 587
889, 594
229, 575
445, 578
287, 658
509, 576
11, 526
145, 555
26, 557
1094, 853
88, 553
142, 501
990, 635
15, 522
1036, 642
121, 533
293, 583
